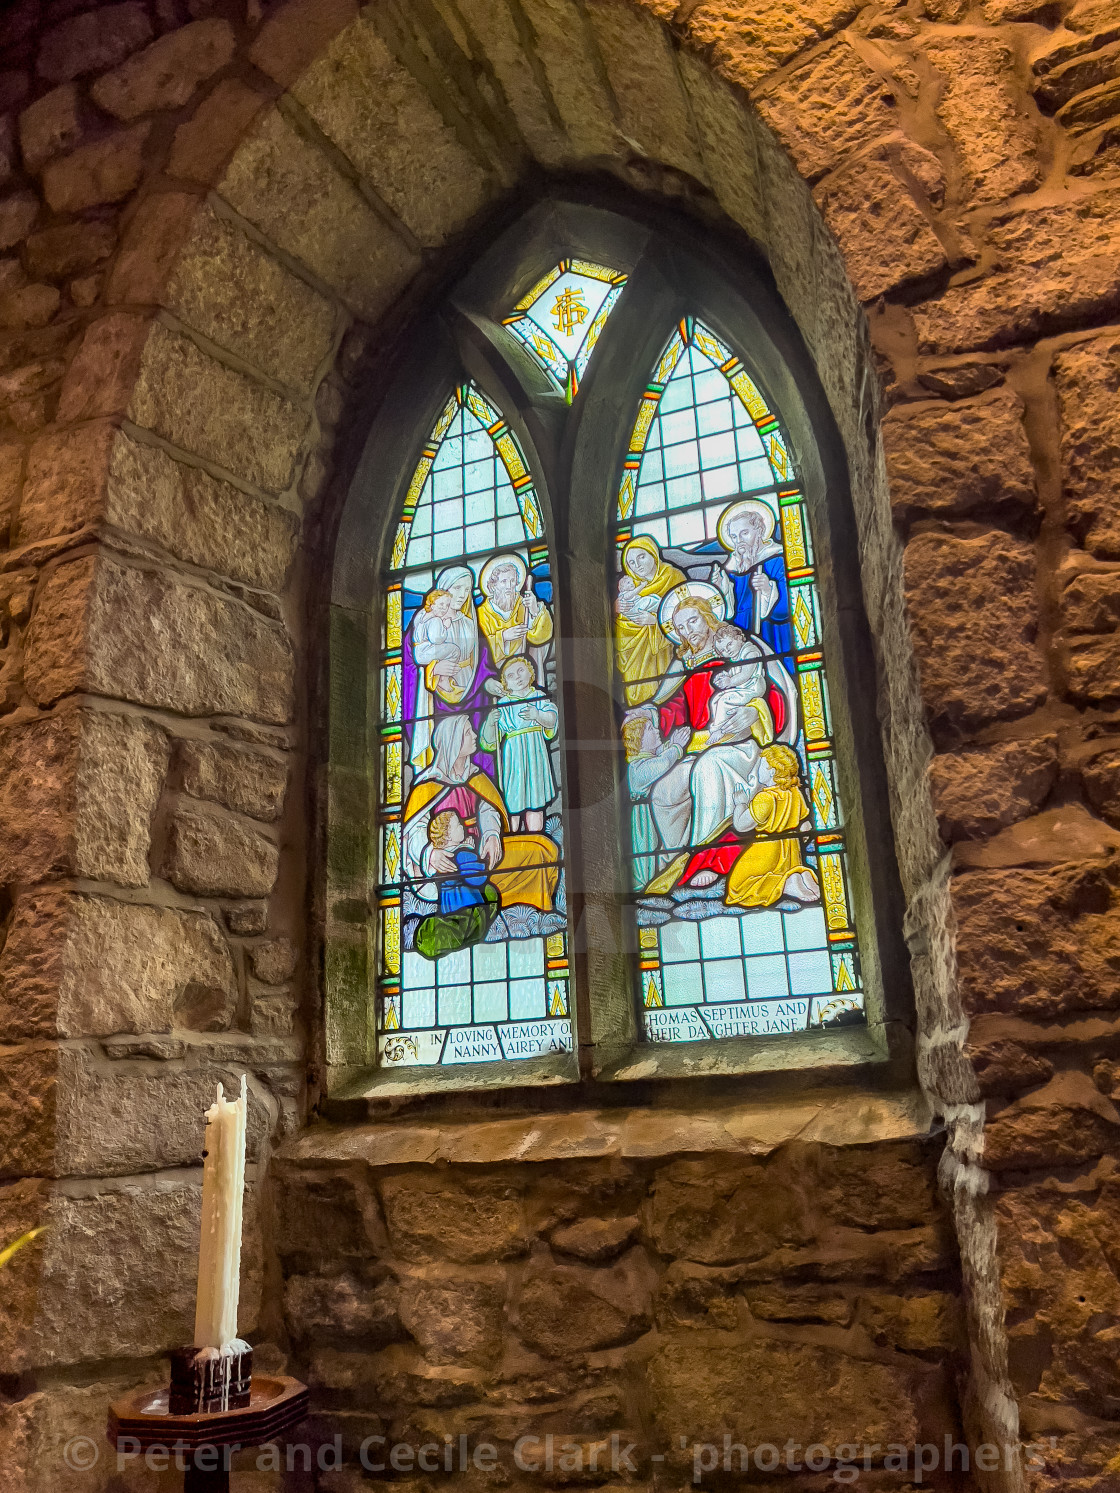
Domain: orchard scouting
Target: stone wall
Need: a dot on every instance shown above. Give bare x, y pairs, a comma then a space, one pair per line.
213, 216
811, 1294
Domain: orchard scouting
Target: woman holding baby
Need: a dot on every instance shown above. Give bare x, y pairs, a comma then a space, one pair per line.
644, 652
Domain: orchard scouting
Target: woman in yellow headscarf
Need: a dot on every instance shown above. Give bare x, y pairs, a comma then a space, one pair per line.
644, 652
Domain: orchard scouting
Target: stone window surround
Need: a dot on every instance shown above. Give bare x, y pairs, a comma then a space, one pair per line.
568, 451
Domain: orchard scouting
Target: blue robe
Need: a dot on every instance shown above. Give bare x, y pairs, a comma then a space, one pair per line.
774, 629
465, 890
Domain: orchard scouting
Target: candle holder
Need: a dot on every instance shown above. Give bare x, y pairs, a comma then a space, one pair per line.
208, 1379
195, 1440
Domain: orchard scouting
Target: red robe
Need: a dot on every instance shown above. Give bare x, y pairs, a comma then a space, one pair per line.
691, 706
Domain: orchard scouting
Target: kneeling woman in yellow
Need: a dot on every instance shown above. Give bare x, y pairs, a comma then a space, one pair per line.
772, 868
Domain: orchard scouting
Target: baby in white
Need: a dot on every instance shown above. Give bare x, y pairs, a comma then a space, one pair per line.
739, 691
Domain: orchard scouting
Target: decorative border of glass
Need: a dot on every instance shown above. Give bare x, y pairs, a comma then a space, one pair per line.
584, 295
473, 963
738, 856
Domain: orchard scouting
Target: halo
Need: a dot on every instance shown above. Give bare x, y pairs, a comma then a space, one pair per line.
689, 591
746, 505
504, 559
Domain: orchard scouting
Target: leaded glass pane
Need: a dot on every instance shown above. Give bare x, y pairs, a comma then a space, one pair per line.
738, 862
474, 940
561, 319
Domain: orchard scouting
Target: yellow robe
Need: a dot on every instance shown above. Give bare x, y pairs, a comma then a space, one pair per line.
527, 872
493, 625
758, 878
644, 653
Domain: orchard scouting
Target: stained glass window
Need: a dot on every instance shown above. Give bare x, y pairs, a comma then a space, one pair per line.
473, 937
738, 862
561, 318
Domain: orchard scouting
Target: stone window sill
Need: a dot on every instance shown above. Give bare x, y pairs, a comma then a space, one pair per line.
754, 1128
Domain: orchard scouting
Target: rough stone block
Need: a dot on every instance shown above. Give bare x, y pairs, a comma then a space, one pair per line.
828, 109
890, 1186
295, 33
335, 1307
455, 1321
929, 1322
94, 40
1100, 776
506, 55
103, 171
273, 1014
752, 38
1061, 82
981, 109
100, 379
229, 289
152, 242
642, 73
385, 122
977, 793
166, 74
1037, 942
789, 1303
716, 1213
963, 460
289, 191
238, 777
158, 641
215, 853
568, 1309
49, 126
1094, 670
885, 238
573, 72
29, 1111
1058, 1279
273, 962
973, 617
77, 795
18, 213
36, 1430
727, 145
56, 253
1004, 1067
696, 1297
430, 1219
164, 1106
81, 966
1091, 603
1087, 380
198, 517
204, 143
812, 1394
122, 762
30, 306
1059, 268
326, 1219
595, 1239
1066, 1123
96, 474
194, 402
114, 1276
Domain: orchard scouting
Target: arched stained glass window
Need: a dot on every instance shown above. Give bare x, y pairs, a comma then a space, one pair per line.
738, 863
606, 786
474, 945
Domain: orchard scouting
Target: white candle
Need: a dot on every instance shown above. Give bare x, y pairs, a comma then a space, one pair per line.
219, 1255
